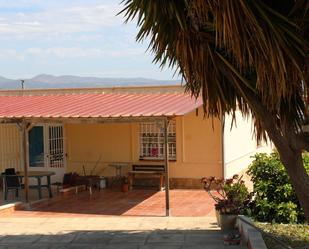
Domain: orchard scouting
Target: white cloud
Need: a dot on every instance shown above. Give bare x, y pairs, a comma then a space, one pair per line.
20, 28
101, 15
67, 53
70, 37
18, 3
11, 54
61, 20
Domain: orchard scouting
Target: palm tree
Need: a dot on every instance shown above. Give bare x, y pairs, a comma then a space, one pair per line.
248, 55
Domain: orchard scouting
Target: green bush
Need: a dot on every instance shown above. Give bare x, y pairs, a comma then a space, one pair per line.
275, 199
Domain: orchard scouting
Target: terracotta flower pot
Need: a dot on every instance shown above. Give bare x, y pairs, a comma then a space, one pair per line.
125, 187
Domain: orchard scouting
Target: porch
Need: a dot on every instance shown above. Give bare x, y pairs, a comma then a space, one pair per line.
87, 132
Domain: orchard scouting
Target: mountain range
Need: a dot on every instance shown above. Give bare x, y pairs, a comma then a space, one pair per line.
70, 81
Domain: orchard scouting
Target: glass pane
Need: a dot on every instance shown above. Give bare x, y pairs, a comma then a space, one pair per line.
36, 147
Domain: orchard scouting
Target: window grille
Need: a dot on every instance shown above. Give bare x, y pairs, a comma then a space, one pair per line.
56, 148
152, 141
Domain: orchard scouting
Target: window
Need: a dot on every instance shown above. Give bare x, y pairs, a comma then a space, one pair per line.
152, 141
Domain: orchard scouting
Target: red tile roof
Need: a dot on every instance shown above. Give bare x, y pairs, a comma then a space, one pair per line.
106, 105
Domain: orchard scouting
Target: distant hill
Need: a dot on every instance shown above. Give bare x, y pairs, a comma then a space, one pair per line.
70, 81
9, 84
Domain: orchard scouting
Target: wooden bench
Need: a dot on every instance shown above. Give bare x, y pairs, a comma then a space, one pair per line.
147, 171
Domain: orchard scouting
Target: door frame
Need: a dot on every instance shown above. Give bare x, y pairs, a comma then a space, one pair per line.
46, 140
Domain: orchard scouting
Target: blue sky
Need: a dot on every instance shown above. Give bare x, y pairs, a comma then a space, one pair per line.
76, 37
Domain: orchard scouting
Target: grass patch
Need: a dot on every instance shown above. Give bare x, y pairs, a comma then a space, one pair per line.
294, 235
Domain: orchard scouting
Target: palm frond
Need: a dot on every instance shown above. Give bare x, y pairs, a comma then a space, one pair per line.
227, 49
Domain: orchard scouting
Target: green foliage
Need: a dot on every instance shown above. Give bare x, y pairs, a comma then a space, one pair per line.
237, 193
232, 195
275, 199
306, 161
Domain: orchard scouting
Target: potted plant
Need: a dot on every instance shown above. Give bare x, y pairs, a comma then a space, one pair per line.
124, 184
231, 197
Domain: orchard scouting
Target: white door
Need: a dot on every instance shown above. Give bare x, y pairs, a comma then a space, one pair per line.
47, 149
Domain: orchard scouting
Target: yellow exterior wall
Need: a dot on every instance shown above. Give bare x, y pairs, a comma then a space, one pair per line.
198, 147
97, 144
9, 147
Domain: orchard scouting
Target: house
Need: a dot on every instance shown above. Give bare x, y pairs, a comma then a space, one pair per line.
89, 129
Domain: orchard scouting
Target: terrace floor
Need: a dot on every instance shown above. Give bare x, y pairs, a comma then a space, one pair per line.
183, 203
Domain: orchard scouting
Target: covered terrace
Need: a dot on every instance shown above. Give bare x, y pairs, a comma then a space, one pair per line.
28, 110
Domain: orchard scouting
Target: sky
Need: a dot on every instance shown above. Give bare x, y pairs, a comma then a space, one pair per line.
72, 37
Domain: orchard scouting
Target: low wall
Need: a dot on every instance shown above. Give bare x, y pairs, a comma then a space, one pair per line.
251, 237
8, 209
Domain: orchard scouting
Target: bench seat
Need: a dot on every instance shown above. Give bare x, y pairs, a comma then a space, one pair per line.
147, 171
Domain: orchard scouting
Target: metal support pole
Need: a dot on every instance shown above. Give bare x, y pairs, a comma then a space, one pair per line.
223, 146
167, 186
25, 159
21, 158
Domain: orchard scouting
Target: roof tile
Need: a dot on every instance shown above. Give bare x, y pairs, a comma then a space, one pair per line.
92, 105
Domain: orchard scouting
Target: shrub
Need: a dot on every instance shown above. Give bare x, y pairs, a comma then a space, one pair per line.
275, 199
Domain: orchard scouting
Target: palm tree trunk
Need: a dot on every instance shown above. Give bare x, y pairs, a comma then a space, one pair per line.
292, 161
294, 166
290, 153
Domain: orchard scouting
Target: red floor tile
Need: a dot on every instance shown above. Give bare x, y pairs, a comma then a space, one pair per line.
190, 203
